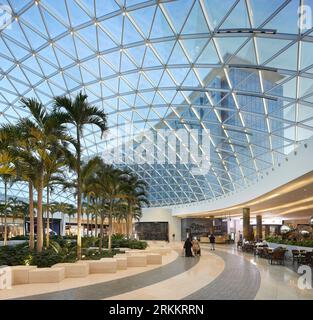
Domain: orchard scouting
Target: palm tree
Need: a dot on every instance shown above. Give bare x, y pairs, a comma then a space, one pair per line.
54, 208
54, 163
136, 197
88, 169
16, 145
94, 208
46, 134
109, 185
70, 210
16, 207
61, 207
24, 211
6, 180
7, 172
79, 112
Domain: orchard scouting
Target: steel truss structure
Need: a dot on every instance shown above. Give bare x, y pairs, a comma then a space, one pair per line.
241, 70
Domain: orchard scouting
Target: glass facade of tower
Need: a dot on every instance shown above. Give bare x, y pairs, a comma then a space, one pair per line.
228, 149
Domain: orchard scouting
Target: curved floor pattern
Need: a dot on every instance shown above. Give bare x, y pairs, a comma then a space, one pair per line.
223, 274
240, 280
204, 272
116, 287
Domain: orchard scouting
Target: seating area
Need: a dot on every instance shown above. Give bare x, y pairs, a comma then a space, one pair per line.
82, 268
277, 255
302, 257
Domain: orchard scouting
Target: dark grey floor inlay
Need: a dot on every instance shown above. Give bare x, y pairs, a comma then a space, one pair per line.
120, 286
240, 280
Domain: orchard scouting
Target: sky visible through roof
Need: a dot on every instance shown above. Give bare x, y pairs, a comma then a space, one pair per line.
241, 71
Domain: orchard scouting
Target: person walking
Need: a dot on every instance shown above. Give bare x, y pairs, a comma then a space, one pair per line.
196, 247
187, 247
212, 241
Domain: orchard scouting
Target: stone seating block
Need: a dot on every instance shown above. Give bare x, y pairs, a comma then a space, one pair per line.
74, 270
154, 258
137, 260
105, 265
132, 252
46, 275
162, 251
20, 274
121, 262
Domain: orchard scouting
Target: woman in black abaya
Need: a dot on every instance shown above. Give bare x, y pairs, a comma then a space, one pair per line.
187, 247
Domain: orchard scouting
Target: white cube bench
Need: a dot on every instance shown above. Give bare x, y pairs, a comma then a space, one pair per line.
130, 252
121, 262
137, 260
162, 251
46, 275
74, 270
154, 258
20, 274
105, 265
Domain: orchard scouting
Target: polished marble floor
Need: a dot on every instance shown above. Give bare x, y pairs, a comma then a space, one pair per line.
223, 274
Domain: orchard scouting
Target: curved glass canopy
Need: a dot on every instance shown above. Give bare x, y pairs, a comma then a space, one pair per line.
241, 71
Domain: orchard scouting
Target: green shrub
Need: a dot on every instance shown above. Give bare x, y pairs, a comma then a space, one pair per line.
119, 241
118, 237
21, 255
63, 250
279, 240
88, 242
133, 244
15, 255
46, 258
20, 238
96, 255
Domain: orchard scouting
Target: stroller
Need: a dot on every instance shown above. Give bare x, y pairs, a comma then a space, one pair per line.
196, 248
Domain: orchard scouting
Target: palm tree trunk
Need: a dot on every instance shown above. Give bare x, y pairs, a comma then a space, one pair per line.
87, 224
96, 225
87, 214
24, 221
52, 222
129, 223
5, 238
39, 213
101, 233
13, 222
63, 224
79, 199
110, 229
31, 216
1, 221
48, 219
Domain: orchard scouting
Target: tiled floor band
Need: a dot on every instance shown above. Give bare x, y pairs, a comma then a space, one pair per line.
240, 280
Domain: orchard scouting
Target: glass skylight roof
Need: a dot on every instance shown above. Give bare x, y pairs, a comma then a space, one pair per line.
240, 69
